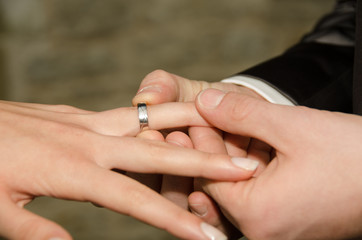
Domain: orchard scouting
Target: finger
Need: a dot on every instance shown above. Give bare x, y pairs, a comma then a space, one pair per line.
176, 188
18, 223
238, 114
153, 181
121, 121
128, 154
240, 146
151, 135
160, 87
224, 194
125, 122
179, 139
207, 139
124, 195
204, 207
210, 140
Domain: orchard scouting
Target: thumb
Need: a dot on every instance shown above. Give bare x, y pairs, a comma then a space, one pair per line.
160, 87
242, 115
18, 223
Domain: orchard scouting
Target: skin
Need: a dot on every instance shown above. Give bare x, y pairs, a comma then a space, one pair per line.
161, 87
69, 153
314, 172
309, 185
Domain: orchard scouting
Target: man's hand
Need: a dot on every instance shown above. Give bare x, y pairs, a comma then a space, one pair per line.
160, 87
311, 189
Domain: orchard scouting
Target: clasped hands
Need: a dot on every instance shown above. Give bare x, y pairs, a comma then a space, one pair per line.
69, 153
307, 184
270, 171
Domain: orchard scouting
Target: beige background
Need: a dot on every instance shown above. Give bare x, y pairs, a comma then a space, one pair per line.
93, 54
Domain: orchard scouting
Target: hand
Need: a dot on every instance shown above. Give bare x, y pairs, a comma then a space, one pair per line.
258, 155
68, 153
160, 87
174, 188
311, 189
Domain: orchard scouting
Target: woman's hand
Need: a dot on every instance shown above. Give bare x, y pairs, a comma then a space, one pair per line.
68, 153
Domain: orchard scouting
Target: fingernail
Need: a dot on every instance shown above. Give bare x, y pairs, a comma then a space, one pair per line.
212, 233
199, 210
150, 89
245, 163
211, 98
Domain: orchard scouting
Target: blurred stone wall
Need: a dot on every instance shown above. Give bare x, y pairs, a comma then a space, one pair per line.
94, 53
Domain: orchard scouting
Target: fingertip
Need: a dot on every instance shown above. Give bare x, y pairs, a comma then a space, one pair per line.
212, 233
150, 95
243, 115
180, 139
157, 87
27, 225
204, 207
197, 197
197, 204
151, 135
210, 98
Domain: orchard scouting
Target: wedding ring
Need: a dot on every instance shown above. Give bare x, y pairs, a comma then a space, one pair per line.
142, 115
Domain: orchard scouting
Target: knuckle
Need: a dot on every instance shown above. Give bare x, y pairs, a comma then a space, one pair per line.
71, 134
151, 135
158, 75
98, 122
191, 88
241, 107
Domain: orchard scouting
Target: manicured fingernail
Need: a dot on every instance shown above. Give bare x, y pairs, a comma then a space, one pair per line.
150, 89
199, 210
212, 233
211, 98
245, 163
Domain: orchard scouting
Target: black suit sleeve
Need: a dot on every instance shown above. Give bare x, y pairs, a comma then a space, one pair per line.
318, 71
314, 75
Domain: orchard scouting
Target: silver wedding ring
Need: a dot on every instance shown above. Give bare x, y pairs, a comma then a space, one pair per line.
142, 115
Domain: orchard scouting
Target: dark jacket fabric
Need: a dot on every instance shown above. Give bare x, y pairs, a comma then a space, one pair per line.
357, 84
322, 71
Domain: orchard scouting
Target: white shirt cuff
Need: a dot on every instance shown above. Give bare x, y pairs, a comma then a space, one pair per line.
265, 90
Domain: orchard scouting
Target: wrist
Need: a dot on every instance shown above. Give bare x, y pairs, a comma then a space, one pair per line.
264, 89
